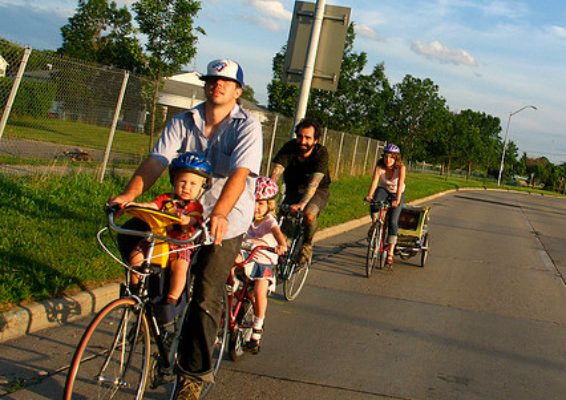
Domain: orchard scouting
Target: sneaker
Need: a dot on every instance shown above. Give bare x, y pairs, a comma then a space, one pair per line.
255, 342
306, 254
188, 388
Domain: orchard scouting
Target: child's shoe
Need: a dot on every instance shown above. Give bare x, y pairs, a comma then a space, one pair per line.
255, 342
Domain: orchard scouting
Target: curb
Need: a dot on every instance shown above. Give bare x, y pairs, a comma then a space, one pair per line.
24, 320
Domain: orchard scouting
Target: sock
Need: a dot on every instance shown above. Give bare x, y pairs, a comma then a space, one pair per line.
258, 323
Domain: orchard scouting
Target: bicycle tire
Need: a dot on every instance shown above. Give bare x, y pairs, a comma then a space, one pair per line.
424, 253
372, 251
242, 330
294, 283
381, 243
112, 360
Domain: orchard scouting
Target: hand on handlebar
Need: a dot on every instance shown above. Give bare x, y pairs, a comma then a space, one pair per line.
296, 208
120, 201
281, 249
218, 227
368, 199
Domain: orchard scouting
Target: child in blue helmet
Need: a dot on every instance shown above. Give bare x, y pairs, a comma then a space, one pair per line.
388, 183
189, 175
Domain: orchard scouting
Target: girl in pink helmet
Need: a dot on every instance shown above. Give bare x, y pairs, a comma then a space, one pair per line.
264, 231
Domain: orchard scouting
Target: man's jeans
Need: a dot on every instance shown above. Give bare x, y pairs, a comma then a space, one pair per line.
210, 270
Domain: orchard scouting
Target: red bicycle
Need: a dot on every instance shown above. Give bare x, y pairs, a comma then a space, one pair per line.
376, 238
241, 301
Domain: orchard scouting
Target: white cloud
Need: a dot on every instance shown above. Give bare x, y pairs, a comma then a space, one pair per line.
558, 31
366, 31
507, 9
266, 23
436, 51
271, 8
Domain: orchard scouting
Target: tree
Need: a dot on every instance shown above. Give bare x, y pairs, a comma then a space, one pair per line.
171, 40
477, 140
357, 104
282, 97
249, 94
101, 32
415, 112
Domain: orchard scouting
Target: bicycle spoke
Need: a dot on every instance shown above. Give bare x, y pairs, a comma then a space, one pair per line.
112, 359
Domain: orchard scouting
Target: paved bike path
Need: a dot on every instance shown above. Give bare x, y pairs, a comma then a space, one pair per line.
55, 312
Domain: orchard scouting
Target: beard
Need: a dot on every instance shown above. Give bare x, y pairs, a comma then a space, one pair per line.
304, 149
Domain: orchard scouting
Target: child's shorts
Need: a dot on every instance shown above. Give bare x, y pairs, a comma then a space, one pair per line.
181, 253
255, 270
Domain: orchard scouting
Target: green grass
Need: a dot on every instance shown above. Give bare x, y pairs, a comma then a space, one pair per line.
77, 134
48, 236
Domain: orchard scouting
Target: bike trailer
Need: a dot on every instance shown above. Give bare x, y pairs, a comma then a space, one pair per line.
413, 221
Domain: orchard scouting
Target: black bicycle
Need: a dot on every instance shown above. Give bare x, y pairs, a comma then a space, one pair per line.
291, 271
114, 359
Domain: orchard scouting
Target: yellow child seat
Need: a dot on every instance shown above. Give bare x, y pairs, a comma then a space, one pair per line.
159, 223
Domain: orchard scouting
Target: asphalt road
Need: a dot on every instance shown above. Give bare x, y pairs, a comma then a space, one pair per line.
484, 319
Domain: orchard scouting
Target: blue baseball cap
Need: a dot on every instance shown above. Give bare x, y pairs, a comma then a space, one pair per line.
225, 68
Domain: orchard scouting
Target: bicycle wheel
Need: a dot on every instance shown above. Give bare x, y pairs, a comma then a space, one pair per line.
112, 358
221, 337
424, 253
372, 252
242, 331
296, 280
381, 247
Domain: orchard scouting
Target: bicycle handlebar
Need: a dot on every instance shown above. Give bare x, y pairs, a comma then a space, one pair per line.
379, 203
253, 250
111, 209
286, 210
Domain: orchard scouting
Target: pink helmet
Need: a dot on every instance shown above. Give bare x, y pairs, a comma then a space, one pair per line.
265, 188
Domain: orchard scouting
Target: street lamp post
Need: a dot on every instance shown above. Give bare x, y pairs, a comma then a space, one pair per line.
505, 141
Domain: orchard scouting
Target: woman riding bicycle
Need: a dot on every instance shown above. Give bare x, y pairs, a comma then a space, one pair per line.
388, 184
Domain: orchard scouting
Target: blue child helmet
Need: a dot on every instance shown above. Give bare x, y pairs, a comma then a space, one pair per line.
392, 148
190, 162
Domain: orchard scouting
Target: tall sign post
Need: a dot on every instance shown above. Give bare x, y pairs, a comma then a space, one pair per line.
315, 49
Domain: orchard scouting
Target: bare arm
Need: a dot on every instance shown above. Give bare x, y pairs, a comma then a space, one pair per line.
144, 177
146, 205
400, 184
311, 189
281, 240
373, 185
277, 172
231, 192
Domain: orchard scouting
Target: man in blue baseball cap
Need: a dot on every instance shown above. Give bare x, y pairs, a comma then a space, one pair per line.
226, 69
231, 140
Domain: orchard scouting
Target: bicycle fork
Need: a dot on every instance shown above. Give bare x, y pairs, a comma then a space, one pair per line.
119, 344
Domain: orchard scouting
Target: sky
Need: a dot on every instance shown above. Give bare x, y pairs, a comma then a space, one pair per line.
492, 56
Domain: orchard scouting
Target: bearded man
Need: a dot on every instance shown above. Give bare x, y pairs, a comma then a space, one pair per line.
303, 162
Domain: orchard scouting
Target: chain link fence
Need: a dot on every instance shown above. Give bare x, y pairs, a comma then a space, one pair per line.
58, 113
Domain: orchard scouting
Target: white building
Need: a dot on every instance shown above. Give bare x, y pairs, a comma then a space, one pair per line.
3, 67
185, 90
